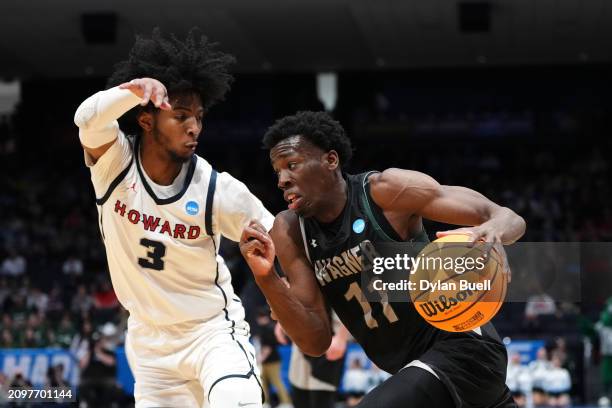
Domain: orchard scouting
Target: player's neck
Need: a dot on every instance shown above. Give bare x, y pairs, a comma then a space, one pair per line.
158, 165
335, 201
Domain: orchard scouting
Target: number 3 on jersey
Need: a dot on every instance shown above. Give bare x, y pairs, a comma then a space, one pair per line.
154, 259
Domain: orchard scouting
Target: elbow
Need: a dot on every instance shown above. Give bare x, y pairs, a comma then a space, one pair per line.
316, 347
520, 224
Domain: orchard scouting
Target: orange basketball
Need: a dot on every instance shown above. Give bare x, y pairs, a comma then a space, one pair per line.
456, 287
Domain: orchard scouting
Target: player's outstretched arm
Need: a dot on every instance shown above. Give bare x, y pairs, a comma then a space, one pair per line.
299, 306
97, 116
412, 192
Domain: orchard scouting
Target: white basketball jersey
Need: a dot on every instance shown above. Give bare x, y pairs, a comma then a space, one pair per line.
163, 262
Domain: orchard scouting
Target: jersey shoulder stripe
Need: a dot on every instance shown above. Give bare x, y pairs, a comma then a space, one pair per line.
210, 195
113, 185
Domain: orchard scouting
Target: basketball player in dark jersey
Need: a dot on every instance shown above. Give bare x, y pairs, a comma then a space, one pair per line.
431, 367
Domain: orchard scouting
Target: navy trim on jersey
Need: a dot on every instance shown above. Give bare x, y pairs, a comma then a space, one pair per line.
210, 195
113, 185
102, 225
222, 292
163, 201
245, 376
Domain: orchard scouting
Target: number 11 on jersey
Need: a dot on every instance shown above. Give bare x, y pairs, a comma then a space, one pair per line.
354, 291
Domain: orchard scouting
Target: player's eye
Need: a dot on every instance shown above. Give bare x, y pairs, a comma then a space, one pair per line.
179, 117
292, 165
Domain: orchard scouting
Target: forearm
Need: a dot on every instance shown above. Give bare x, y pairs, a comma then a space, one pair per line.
306, 327
511, 224
97, 116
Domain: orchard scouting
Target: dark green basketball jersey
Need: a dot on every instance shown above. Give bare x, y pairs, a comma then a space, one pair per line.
393, 334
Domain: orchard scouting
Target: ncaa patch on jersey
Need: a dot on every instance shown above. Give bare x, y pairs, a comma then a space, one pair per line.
192, 208
358, 225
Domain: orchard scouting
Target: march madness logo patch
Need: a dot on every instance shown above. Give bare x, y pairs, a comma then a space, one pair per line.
192, 208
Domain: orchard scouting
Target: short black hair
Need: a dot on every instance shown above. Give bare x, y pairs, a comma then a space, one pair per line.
193, 65
319, 128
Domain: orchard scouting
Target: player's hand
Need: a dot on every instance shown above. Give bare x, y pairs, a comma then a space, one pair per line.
280, 334
257, 249
149, 89
336, 349
489, 237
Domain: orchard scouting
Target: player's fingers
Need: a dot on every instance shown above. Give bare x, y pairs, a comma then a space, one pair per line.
252, 248
159, 97
248, 233
146, 97
261, 236
258, 226
458, 231
165, 104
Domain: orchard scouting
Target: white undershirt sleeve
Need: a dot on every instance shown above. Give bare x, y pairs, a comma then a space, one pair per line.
97, 116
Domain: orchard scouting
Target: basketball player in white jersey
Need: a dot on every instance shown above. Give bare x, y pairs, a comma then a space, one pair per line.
162, 211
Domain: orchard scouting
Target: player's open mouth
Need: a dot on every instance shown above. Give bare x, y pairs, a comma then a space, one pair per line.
294, 200
191, 145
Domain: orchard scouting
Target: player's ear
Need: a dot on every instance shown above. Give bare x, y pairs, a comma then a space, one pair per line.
332, 160
145, 120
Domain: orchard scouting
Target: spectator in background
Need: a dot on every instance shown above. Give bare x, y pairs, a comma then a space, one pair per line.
538, 368
5, 290
99, 386
14, 265
81, 344
19, 310
269, 358
65, 331
105, 302
55, 306
557, 384
540, 304
37, 300
604, 329
7, 322
37, 326
315, 380
55, 379
355, 383
7, 340
72, 266
376, 376
82, 302
518, 380
4, 386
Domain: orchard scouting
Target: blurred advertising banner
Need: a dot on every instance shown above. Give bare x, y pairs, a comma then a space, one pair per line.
34, 364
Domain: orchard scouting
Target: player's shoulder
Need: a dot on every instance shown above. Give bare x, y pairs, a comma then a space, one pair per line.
287, 219
287, 227
393, 179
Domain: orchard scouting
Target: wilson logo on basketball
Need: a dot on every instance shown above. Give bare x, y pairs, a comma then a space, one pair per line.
458, 300
431, 308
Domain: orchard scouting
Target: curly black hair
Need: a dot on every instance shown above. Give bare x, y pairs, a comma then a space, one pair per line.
193, 65
319, 128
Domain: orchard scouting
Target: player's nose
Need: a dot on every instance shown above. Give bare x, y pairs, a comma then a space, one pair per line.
194, 128
284, 181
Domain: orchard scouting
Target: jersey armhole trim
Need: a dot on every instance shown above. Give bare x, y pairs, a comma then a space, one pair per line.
368, 208
210, 195
113, 185
303, 231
